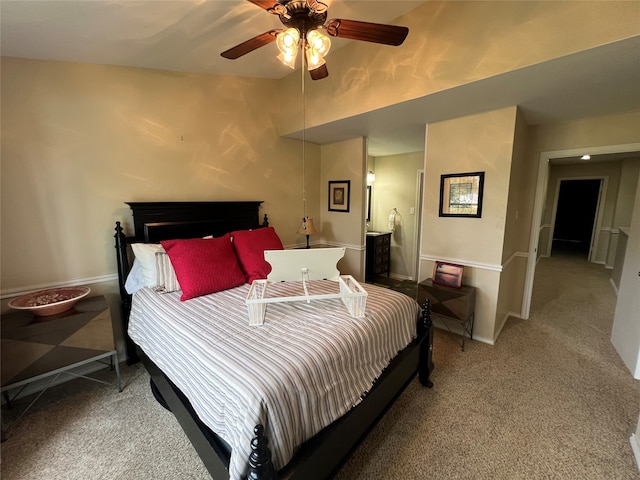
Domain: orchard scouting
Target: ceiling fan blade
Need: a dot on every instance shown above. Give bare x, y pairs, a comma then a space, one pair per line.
319, 73
367, 31
250, 45
266, 4
271, 6
316, 6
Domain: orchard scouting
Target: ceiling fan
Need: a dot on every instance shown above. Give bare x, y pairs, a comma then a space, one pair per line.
303, 19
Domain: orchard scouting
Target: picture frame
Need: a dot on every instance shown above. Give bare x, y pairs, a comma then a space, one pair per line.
448, 274
368, 219
339, 195
461, 195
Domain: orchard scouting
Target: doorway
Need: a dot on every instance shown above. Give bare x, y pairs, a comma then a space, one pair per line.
629, 150
576, 210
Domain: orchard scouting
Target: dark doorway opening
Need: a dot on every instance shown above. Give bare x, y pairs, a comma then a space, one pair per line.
575, 216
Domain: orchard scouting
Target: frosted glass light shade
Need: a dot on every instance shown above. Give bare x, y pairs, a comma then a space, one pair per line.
319, 42
287, 42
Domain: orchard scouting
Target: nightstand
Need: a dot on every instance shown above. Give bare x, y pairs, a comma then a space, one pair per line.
378, 254
448, 303
35, 348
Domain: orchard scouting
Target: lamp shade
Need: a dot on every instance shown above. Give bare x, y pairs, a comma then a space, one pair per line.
307, 227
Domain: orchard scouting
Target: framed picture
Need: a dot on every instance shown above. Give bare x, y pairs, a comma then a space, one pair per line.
461, 194
339, 195
448, 274
368, 219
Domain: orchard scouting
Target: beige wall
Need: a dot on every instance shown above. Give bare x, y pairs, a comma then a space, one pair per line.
629, 171
615, 129
625, 333
483, 142
78, 140
396, 187
345, 161
517, 229
521, 193
456, 43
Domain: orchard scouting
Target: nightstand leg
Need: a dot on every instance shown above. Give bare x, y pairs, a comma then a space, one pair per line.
117, 367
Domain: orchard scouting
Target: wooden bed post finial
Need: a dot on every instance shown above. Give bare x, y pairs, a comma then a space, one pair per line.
426, 348
260, 465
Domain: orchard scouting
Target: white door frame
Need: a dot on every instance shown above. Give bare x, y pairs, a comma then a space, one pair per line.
541, 192
418, 224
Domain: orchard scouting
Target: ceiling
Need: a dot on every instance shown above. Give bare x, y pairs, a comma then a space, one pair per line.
188, 35
178, 35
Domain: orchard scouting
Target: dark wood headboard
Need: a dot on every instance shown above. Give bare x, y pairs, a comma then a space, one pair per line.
156, 221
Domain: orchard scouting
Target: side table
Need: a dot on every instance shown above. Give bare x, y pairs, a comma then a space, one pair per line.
450, 303
34, 348
378, 254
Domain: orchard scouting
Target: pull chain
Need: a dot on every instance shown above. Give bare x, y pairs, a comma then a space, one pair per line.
304, 127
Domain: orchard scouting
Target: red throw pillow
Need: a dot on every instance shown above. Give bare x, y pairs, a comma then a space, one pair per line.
204, 266
250, 246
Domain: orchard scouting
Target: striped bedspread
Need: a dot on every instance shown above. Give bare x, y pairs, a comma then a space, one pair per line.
305, 367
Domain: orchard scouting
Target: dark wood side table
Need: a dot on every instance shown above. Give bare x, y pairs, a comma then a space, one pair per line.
378, 254
35, 348
449, 303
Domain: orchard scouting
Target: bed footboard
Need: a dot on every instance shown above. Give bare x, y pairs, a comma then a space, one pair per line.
325, 453
260, 465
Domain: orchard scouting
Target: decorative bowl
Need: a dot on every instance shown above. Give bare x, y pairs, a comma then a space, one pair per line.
51, 301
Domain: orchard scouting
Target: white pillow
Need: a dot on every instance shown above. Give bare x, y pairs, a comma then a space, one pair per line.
145, 255
135, 280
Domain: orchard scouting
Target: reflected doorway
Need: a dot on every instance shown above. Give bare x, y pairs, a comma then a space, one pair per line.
576, 213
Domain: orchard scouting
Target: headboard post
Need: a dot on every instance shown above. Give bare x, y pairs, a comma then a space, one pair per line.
125, 307
122, 258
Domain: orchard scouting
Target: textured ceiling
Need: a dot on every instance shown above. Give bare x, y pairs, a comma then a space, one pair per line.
179, 35
188, 35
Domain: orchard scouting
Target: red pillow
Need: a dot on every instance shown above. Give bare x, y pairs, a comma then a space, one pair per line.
204, 266
250, 246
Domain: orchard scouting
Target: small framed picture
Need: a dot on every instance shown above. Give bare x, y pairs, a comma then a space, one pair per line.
461, 195
339, 195
448, 274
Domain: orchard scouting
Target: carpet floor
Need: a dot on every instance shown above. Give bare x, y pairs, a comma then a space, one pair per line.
551, 400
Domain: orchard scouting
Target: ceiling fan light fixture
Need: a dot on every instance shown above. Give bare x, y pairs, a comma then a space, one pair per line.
314, 59
287, 42
319, 42
289, 59
303, 20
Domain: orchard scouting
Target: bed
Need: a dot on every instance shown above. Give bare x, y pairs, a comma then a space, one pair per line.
327, 441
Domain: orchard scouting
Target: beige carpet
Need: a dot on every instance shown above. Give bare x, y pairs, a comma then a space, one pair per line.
551, 400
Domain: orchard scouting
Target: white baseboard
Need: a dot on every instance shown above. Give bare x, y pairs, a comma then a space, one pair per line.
636, 449
397, 276
613, 284
456, 328
504, 322
15, 292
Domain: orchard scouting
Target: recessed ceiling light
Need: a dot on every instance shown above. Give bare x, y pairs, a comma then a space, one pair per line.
585, 157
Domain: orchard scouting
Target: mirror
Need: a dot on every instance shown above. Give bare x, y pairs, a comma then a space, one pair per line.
461, 194
368, 219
